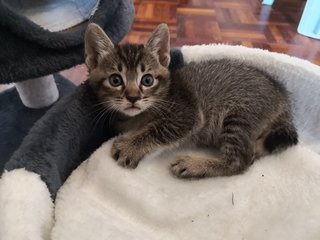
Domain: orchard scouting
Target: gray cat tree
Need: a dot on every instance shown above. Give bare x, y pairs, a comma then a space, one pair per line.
38, 39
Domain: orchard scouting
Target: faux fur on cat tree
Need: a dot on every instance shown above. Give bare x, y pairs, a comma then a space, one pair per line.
30, 54
270, 201
17, 119
46, 52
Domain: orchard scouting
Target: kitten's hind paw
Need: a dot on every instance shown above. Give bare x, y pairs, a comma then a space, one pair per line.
189, 167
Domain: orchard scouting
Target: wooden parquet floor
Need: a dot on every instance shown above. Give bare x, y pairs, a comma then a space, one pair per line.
244, 22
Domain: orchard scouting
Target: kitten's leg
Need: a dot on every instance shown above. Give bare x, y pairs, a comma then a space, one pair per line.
129, 150
235, 153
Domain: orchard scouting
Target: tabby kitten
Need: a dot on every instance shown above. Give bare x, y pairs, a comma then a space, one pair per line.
219, 104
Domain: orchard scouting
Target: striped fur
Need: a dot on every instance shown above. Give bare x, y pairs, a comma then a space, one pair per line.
237, 111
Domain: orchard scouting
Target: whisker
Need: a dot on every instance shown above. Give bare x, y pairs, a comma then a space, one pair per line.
97, 118
103, 102
115, 109
105, 112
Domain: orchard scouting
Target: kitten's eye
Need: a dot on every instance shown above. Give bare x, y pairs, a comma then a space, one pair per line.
147, 80
115, 80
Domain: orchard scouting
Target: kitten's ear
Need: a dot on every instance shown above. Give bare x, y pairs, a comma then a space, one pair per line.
97, 44
159, 44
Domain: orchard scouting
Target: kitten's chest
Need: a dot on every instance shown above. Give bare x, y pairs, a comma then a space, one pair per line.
132, 124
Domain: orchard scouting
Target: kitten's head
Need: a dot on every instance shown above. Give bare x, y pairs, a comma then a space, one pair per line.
128, 78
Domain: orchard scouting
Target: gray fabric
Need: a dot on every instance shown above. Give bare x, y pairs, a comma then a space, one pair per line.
69, 132
176, 59
16, 119
62, 139
29, 51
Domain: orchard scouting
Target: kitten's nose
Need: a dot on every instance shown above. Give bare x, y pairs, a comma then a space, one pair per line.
133, 99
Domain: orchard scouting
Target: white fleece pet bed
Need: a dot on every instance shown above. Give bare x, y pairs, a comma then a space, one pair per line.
277, 198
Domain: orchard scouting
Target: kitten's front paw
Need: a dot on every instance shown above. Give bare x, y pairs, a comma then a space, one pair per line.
189, 167
125, 153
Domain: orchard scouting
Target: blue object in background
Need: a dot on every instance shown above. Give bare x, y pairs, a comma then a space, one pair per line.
55, 15
310, 21
267, 2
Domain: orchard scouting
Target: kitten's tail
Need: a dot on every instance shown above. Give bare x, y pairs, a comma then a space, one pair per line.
283, 134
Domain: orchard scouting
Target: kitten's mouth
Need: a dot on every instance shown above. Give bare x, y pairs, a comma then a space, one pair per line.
132, 110
133, 107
